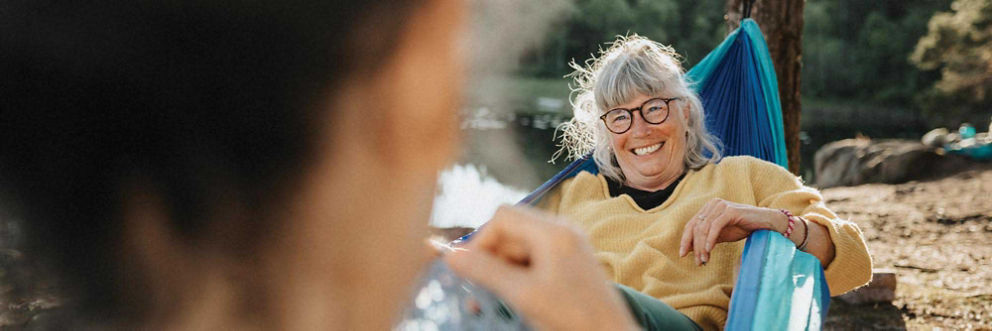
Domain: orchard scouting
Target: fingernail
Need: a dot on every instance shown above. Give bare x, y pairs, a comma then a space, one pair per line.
709, 247
705, 258
682, 252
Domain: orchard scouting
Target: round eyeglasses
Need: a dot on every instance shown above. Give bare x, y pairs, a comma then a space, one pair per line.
653, 111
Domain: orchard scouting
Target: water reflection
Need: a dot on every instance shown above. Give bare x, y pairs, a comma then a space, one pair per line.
483, 118
469, 196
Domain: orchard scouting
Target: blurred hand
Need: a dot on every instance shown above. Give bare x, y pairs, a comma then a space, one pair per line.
545, 270
723, 221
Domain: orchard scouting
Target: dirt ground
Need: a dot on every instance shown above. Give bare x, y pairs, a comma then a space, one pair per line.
937, 237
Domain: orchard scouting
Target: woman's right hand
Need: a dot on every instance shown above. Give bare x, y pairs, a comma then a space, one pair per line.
545, 270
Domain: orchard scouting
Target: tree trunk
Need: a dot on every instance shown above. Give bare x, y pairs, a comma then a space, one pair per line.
781, 21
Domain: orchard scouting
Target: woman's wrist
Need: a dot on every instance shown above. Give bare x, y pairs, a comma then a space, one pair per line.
805, 240
789, 226
778, 221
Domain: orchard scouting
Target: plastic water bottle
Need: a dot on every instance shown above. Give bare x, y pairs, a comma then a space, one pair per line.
443, 301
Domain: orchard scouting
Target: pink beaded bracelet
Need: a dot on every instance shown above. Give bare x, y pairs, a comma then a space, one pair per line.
791, 226
792, 223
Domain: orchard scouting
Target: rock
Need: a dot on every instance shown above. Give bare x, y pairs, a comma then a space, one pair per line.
881, 289
858, 161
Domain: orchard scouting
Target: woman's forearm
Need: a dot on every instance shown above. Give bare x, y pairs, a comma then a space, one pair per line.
723, 221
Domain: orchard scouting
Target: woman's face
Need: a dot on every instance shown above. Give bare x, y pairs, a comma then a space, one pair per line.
651, 155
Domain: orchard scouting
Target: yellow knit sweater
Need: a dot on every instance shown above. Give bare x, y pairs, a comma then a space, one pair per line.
640, 248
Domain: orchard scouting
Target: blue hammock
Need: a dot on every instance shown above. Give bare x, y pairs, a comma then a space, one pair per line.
739, 91
737, 85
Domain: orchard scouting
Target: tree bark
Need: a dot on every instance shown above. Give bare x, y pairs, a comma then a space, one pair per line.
781, 21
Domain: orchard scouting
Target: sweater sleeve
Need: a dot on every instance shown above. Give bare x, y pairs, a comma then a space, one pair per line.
775, 187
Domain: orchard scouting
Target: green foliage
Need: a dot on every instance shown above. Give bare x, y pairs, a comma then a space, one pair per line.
858, 50
959, 44
693, 28
854, 51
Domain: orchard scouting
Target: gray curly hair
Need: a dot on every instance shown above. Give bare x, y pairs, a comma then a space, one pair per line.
632, 66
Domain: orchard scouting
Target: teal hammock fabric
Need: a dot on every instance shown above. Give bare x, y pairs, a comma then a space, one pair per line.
778, 287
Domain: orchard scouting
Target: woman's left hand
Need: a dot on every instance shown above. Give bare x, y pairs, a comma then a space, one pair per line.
722, 221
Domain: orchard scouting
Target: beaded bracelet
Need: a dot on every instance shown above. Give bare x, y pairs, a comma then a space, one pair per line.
790, 227
792, 222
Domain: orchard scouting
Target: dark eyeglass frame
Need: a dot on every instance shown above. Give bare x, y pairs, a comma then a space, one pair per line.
630, 112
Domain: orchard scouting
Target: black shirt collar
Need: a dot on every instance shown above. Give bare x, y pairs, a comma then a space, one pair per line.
645, 199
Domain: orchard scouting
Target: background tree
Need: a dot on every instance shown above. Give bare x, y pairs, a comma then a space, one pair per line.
859, 51
959, 44
691, 27
781, 21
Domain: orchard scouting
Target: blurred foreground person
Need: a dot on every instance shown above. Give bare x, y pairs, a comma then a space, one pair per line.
251, 165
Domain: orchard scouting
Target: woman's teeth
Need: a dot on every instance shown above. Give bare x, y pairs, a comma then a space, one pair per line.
648, 149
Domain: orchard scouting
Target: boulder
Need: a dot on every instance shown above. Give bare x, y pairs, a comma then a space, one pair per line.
861, 160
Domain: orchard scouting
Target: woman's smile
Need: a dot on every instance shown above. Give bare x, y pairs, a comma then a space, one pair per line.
641, 151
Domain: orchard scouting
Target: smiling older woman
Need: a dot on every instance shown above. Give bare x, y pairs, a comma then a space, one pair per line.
663, 190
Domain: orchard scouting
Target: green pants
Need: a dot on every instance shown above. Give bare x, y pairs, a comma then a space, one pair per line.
652, 314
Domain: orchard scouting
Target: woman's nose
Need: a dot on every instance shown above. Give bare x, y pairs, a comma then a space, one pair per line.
639, 127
